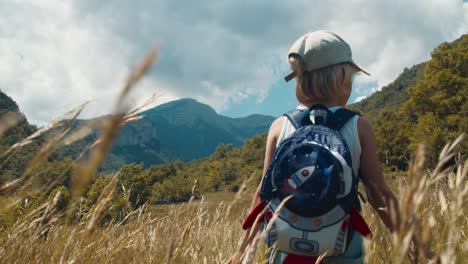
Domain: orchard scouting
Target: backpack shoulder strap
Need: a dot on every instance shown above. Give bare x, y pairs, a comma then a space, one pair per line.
295, 117
342, 116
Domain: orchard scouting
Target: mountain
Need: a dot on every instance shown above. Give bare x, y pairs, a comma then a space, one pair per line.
22, 130
19, 159
7, 104
425, 104
179, 130
392, 96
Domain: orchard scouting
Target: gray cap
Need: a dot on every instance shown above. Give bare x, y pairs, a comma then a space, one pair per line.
321, 49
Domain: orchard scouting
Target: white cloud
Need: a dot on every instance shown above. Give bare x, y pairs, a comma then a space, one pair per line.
53, 60
56, 54
387, 36
360, 98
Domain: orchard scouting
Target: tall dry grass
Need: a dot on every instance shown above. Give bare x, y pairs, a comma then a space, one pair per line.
431, 204
433, 214
203, 232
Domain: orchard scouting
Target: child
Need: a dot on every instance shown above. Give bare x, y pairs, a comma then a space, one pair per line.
323, 68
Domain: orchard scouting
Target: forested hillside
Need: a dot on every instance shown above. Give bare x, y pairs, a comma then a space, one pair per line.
11, 166
174, 182
433, 113
392, 96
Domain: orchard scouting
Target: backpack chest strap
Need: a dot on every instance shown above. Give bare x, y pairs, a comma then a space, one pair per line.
336, 120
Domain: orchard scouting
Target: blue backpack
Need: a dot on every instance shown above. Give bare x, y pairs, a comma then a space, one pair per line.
313, 166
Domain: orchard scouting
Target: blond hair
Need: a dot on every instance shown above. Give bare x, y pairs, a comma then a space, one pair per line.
322, 84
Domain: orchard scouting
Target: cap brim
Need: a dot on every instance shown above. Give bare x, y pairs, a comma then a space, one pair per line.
290, 76
293, 74
359, 68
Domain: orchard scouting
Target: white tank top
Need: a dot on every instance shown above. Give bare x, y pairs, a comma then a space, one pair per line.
349, 132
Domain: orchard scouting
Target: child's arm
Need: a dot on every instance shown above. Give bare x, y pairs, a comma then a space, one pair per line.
380, 195
270, 148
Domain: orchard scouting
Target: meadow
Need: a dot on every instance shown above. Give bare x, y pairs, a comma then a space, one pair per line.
208, 230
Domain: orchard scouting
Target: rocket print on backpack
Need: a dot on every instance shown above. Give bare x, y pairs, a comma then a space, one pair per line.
313, 166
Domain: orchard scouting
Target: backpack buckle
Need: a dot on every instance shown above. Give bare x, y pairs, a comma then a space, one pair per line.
318, 116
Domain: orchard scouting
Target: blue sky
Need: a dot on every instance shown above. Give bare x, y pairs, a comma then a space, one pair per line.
231, 55
281, 98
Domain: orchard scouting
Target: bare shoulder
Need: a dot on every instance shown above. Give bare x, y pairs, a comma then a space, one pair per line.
370, 166
364, 125
273, 136
276, 126
278, 123
365, 130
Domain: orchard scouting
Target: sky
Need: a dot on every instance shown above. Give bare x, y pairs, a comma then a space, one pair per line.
231, 55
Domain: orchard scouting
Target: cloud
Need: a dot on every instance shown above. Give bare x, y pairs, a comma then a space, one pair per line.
52, 59
56, 54
360, 98
387, 36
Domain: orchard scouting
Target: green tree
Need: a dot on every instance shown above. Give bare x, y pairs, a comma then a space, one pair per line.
63, 198
134, 178
438, 102
393, 133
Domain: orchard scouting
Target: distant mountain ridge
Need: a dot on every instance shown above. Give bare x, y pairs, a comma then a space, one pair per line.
184, 129
186, 124
392, 96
